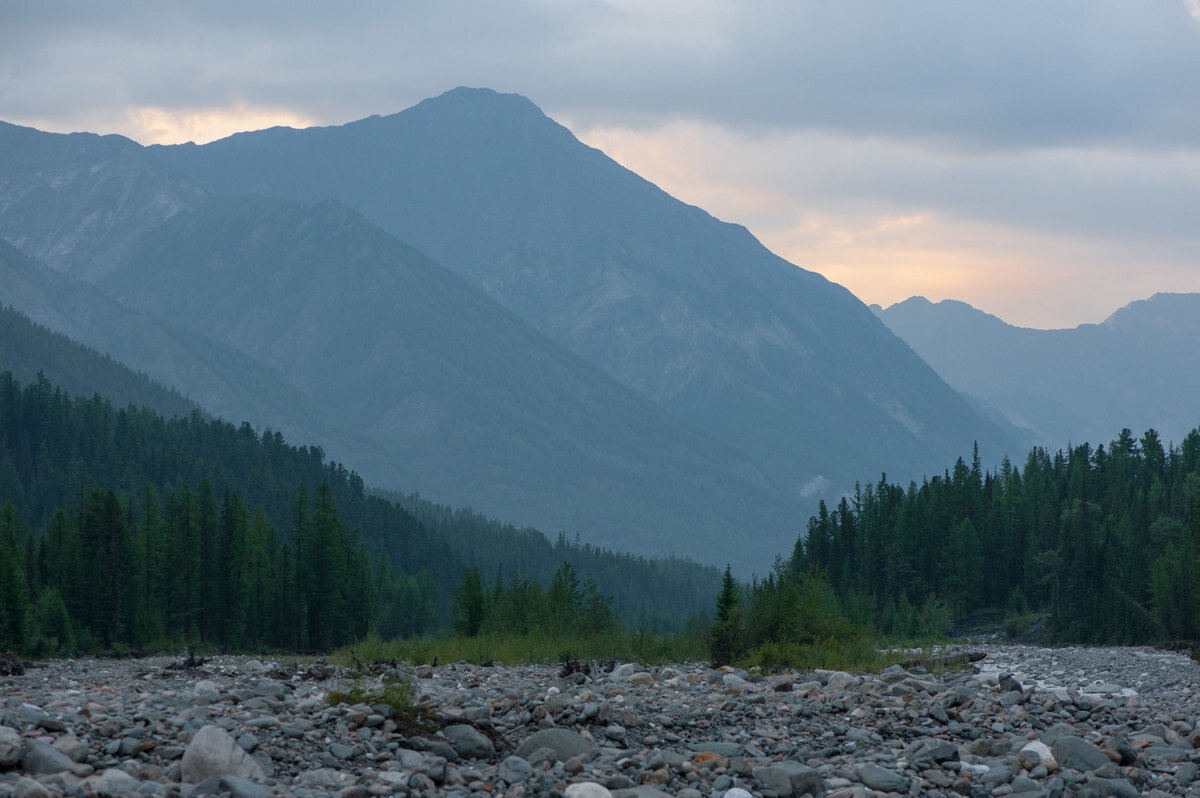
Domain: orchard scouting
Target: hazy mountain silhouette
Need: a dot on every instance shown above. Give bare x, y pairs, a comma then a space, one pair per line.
471, 404
218, 378
692, 312
1139, 369
737, 383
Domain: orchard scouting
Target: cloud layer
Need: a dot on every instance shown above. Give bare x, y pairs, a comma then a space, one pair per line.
1041, 161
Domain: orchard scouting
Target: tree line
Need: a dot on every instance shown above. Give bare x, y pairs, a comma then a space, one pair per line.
1104, 541
119, 528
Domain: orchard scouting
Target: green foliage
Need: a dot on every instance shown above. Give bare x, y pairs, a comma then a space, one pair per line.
1102, 541
727, 637
392, 689
469, 604
144, 529
1017, 626
51, 633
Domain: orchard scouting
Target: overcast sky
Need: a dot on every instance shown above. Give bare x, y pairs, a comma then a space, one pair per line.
1039, 160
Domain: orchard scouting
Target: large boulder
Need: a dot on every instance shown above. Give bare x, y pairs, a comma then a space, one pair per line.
41, 760
212, 752
10, 747
563, 742
468, 742
1077, 753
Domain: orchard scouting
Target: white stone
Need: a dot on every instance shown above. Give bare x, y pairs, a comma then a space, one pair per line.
587, 789
1036, 753
212, 752
840, 680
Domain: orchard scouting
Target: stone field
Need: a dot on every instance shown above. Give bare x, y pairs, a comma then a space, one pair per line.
1022, 721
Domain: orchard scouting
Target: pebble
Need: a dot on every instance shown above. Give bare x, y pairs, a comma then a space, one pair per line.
1023, 721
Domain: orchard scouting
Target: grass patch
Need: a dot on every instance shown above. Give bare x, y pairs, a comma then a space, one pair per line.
1017, 626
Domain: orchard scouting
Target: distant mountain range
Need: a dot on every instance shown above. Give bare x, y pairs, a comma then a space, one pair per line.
557, 341
1139, 369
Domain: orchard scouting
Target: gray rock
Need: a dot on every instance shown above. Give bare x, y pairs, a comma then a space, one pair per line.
622, 673
615, 732
40, 759
564, 742
790, 778
840, 680
248, 742
1077, 753
71, 746
30, 788
640, 791
269, 688
111, 782
1012, 697
212, 752
878, 778
724, 749
1102, 788
341, 750
10, 748
469, 742
129, 746
1023, 784
515, 770
326, 778
231, 785
935, 751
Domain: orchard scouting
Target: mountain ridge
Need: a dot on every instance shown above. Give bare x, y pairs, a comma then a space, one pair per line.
1073, 384
692, 312
490, 414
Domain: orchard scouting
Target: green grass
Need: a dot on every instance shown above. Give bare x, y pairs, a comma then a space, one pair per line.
858, 653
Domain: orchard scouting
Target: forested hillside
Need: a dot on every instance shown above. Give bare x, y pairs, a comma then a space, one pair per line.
121, 528
1105, 540
27, 349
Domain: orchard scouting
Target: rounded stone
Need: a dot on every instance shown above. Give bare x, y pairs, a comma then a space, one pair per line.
564, 742
587, 789
212, 752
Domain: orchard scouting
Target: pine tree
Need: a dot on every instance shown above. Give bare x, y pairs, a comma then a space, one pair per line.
467, 608
726, 642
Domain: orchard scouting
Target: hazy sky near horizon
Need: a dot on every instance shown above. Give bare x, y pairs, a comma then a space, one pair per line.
1040, 161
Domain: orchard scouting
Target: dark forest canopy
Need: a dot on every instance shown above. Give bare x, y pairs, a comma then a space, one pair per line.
122, 528
1104, 540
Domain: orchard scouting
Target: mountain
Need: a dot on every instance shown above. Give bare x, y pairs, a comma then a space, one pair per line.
1139, 369
692, 312
29, 350
642, 372
468, 402
78, 201
216, 377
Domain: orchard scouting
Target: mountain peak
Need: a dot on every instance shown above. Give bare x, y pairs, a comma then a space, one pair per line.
478, 102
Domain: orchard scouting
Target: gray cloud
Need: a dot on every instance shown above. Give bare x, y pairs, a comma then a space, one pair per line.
967, 74
1068, 119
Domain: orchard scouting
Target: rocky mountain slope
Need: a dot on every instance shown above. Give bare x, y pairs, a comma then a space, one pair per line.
692, 312
468, 402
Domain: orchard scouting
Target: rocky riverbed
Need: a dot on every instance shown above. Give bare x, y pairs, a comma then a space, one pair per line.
1021, 721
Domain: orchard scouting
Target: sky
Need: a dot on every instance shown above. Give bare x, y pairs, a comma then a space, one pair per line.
1040, 161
